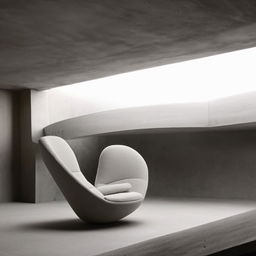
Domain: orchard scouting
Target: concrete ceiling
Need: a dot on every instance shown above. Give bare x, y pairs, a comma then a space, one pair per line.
48, 43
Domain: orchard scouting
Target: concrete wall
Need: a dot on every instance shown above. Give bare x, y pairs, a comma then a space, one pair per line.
215, 164
27, 149
51, 106
9, 144
181, 163
48, 107
218, 164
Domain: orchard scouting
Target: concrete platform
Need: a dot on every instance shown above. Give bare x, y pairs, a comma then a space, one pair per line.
53, 228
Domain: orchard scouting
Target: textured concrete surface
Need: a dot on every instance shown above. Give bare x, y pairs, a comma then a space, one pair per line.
234, 236
215, 164
236, 112
27, 150
53, 229
45, 107
45, 44
8, 146
182, 162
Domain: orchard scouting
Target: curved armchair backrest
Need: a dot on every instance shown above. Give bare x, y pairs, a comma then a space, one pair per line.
58, 149
119, 164
62, 152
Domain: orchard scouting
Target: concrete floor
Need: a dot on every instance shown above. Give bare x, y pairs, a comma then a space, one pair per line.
53, 228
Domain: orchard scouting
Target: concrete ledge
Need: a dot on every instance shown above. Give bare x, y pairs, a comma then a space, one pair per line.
199, 241
239, 110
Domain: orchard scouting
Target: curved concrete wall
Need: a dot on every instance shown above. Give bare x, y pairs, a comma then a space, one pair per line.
233, 110
187, 163
182, 162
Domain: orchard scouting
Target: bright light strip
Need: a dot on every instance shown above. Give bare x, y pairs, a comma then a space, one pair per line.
196, 80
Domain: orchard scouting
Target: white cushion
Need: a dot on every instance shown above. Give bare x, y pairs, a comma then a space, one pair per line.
124, 197
108, 189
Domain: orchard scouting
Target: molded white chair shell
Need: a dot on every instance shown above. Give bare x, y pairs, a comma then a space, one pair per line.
120, 164
120, 185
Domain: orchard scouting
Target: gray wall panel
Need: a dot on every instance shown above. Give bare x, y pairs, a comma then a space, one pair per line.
9, 144
218, 164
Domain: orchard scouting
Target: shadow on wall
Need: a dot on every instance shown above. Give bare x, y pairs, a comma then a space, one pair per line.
184, 164
181, 164
9, 146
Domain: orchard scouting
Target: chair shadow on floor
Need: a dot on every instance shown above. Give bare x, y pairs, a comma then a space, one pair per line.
77, 225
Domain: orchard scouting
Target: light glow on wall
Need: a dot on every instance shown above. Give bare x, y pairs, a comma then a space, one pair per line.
190, 81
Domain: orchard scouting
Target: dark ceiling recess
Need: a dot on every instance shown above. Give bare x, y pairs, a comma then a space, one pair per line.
48, 43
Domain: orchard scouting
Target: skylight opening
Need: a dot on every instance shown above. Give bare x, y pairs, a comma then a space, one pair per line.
196, 80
